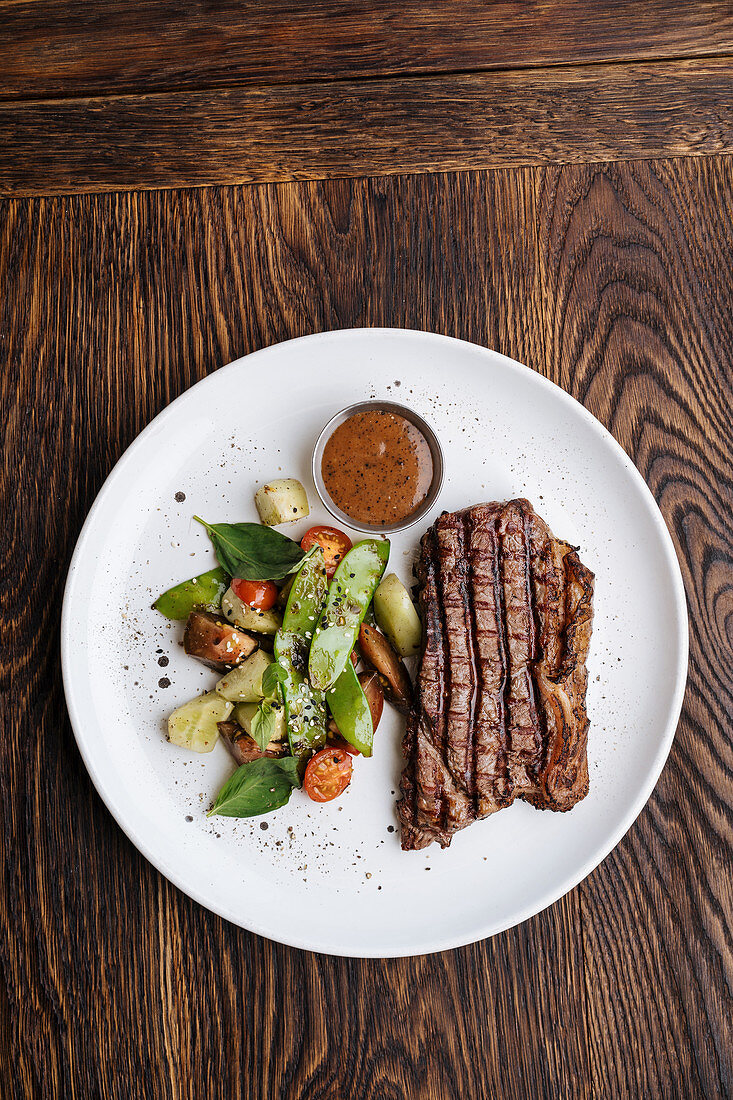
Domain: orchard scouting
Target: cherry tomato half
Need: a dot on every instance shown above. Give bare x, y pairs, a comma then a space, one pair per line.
336, 741
327, 775
334, 543
258, 594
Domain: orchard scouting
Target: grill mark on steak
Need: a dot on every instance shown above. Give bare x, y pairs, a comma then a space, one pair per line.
443, 668
451, 576
512, 570
470, 616
488, 737
500, 701
531, 610
433, 685
432, 806
547, 589
501, 626
528, 588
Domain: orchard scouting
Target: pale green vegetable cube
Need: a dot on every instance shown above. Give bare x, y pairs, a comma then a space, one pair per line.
281, 501
244, 683
194, 725
249, 618
397, 617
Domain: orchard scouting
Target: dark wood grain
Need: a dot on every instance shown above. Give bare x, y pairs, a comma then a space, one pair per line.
635, 274
613, 280
543, 116
88, 47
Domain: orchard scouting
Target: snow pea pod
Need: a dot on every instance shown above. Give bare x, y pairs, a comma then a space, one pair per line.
304, 707
351, 711
203, 592
349, 596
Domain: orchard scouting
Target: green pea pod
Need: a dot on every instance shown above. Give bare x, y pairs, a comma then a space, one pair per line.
305, 709
349, 596
306, 596
203, 592
350, 709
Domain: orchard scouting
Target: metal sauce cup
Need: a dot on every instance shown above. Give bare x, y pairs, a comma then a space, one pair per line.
436, 454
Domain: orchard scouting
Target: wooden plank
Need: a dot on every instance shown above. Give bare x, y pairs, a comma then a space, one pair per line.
614, 281
57, 48
111, 306
542, 116
638, 315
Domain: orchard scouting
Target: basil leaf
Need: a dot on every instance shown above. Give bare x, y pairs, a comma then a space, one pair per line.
257, 787
263, 725
253, 552
273, 675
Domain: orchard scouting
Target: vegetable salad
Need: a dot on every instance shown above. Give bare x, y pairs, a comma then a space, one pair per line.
289, 624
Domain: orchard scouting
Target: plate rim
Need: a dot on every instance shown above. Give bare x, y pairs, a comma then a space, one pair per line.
445, 942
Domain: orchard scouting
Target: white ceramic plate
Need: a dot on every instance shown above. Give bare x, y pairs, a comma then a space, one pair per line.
333, 878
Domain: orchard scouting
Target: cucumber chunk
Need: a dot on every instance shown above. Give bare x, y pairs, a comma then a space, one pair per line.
397, 616
248, 618
244, 684
194, 725
281, 501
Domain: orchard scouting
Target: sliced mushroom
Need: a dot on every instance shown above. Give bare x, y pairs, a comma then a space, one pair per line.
374, 695
393, 676
244, 748
212, 639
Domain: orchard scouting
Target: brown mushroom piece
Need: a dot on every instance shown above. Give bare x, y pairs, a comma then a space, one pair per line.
244, 748
374, 696
393, 676
219, 643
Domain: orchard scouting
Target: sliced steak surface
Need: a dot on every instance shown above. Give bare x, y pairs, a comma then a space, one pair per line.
500, 714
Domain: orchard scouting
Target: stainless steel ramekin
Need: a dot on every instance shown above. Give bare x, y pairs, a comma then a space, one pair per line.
436, 454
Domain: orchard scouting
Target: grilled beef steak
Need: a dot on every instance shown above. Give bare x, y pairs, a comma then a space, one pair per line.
500, 713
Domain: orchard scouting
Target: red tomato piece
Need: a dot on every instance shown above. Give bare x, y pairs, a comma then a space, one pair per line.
334, 543
327, 775
337, 741
258, 594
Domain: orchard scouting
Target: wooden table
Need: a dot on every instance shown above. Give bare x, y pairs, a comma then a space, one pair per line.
553, 181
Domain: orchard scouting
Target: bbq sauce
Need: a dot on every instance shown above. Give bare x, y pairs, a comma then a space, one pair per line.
377, 467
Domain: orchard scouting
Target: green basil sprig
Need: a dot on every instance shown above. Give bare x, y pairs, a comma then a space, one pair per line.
257, 787
263, 725
253, 552
273, 675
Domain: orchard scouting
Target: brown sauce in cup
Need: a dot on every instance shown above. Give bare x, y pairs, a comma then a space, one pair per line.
377, 467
